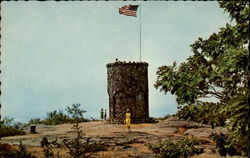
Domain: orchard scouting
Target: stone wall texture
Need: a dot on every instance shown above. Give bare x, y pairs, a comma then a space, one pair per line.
128, 89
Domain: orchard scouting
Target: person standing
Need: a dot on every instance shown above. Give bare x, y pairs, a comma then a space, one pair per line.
128, 120
102, 114
105, 114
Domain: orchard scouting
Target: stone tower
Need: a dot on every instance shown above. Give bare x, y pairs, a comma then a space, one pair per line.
128, 89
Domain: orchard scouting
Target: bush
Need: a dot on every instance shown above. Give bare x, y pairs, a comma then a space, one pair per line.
35, 121
55, 118
48, 147
10, 130
183, 148
7, 151
82, 148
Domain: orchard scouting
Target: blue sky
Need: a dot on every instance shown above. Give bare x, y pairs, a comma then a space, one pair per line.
54, 54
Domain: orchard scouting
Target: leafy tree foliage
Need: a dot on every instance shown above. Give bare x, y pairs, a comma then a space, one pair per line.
206, 113
217, 68
222, 139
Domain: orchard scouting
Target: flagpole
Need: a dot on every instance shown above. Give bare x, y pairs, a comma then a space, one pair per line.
140, 31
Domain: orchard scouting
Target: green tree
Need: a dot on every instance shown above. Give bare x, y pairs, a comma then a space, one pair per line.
77, 148
218, 68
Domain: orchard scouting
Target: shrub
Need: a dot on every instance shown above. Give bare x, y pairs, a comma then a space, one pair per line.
6, 121
10, 130
56, 117
7, 151
183, 148
35, 121
48, 147
82, 148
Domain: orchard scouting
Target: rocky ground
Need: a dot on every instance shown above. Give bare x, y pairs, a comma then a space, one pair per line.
121, 144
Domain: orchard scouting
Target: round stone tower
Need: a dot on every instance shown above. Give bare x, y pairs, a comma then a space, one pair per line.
128, 89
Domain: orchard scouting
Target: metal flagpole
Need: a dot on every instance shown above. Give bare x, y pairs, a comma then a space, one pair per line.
140, 30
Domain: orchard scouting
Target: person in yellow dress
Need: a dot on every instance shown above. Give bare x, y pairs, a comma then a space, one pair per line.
128, 120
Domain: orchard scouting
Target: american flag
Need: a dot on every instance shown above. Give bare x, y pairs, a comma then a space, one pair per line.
129, 10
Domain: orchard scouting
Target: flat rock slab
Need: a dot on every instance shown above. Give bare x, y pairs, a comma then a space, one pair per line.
172, 122
167, 130
142, 155
176, 122
204, 132
118, 140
